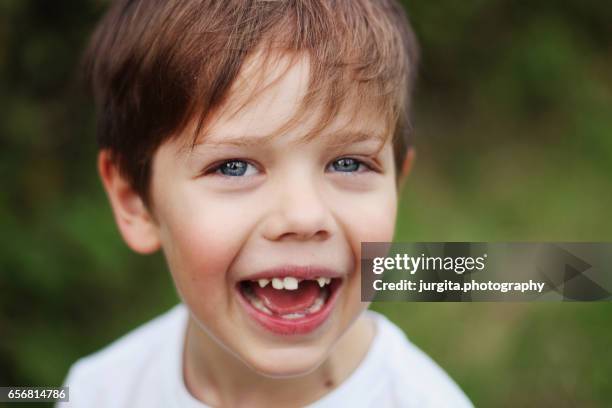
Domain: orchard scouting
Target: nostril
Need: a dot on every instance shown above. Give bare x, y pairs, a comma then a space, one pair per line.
317, 236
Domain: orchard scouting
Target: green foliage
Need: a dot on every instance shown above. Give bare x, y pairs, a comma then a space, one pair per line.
513, 125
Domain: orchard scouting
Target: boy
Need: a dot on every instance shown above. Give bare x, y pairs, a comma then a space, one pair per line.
257, 143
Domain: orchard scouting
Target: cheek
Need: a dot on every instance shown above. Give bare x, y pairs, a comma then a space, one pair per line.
200, 243
371, 218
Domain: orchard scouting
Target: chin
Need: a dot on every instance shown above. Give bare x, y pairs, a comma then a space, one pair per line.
286, 362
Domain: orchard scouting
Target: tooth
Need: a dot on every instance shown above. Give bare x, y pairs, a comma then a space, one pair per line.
257, 303
321, 281
277, 283
263, 282
291, 316
328, 280
290, 283
316, 306
260, 306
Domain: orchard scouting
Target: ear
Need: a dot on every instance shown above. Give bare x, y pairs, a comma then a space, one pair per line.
132, 216
407, 165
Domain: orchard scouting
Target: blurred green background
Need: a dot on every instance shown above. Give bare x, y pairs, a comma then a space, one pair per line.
513, 118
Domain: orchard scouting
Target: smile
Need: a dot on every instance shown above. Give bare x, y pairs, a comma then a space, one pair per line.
290, 301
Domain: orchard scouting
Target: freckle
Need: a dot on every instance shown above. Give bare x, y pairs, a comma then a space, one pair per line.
329, 383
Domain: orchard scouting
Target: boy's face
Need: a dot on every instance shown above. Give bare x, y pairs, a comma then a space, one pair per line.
237, 208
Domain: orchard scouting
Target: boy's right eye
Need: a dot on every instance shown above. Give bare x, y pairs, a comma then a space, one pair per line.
235, 168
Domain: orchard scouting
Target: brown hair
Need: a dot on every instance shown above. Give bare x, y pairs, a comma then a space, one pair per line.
155, 65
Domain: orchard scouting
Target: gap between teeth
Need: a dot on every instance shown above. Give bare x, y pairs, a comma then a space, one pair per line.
289, 282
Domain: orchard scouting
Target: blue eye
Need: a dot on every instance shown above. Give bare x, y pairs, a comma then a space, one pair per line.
235, 168
346, 165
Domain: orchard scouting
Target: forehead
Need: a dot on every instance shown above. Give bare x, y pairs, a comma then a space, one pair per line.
267, 101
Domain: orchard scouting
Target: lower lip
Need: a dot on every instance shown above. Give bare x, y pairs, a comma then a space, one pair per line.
300, 326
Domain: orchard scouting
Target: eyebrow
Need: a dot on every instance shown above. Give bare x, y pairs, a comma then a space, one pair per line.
338, 139
351, 137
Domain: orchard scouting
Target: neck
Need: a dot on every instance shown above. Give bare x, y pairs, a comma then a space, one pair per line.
218, 378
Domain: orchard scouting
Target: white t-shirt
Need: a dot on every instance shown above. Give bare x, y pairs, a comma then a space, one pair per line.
144, 370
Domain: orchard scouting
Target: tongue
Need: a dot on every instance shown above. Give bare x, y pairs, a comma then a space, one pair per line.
285, 301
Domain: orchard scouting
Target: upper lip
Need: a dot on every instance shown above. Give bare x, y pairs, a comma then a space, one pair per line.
303, 272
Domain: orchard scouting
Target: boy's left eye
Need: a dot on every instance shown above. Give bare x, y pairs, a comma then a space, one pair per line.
347, 165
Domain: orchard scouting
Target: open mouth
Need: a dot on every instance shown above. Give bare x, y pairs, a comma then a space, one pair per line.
289, 305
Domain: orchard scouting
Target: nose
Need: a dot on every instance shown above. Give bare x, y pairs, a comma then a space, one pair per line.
299, 212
